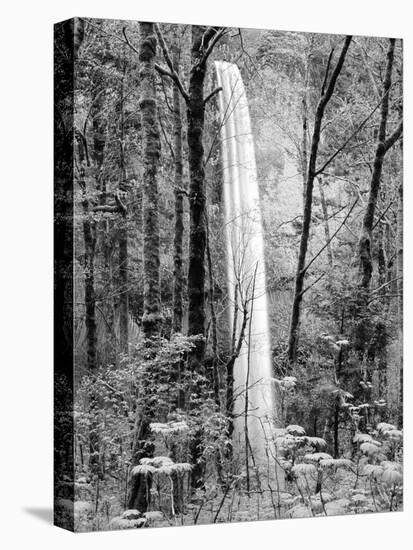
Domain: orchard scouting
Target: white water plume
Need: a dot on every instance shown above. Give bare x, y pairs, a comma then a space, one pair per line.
254, 389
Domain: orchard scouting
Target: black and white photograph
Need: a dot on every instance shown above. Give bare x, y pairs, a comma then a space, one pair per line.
230, 239
205, 283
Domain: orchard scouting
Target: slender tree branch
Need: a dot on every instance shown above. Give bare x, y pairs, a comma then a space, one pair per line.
166, 137
356, 131
206, 37
175, 78
164, 72
313, 283
171, 73
391, 140
212, 94
164, 48
323, 87
387, 283
211, 45
382, 215
128, 42
331, 238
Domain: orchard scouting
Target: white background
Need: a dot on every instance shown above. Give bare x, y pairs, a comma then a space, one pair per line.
26, 270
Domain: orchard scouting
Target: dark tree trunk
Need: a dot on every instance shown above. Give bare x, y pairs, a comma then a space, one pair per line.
151, 319
139, 489
103, 267
304, 138
365, 244
89, 238
400, 298
99, 132
179, 203
197, 198
201, 38
311, 174
99, 125
123, 286
123, 233
90, 298
202, 43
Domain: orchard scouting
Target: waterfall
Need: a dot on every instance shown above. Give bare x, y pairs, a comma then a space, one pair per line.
246, 277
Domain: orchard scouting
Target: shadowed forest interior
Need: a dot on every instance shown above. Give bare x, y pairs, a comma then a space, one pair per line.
234, 241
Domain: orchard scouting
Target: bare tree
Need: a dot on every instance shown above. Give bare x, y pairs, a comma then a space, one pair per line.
365, 244
382, 147
326, 94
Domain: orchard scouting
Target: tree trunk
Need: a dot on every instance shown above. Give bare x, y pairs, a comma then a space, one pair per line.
365, 245
304, 120
400, 298
365, 242
90, 298
123, 234
197, 198
311, 174
202, 43
89, 238
151, 319
179, 203
139, 489
123, 285
99, 130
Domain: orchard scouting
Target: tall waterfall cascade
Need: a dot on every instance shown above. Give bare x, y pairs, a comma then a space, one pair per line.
255, 405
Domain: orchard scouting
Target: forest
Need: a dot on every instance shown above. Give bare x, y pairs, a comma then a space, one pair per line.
233, 238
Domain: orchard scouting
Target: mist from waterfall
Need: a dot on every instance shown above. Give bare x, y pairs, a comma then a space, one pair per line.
253, 386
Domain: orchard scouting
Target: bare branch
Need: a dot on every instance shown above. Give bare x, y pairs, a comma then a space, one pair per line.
164, 72
387, 283
331, 85
171, 73
331, 238
166, 137
391, 140
323, 87
175, 78
211, 45
164, 48
356, 131
313, 283
128, 42
382, 215
212, 94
